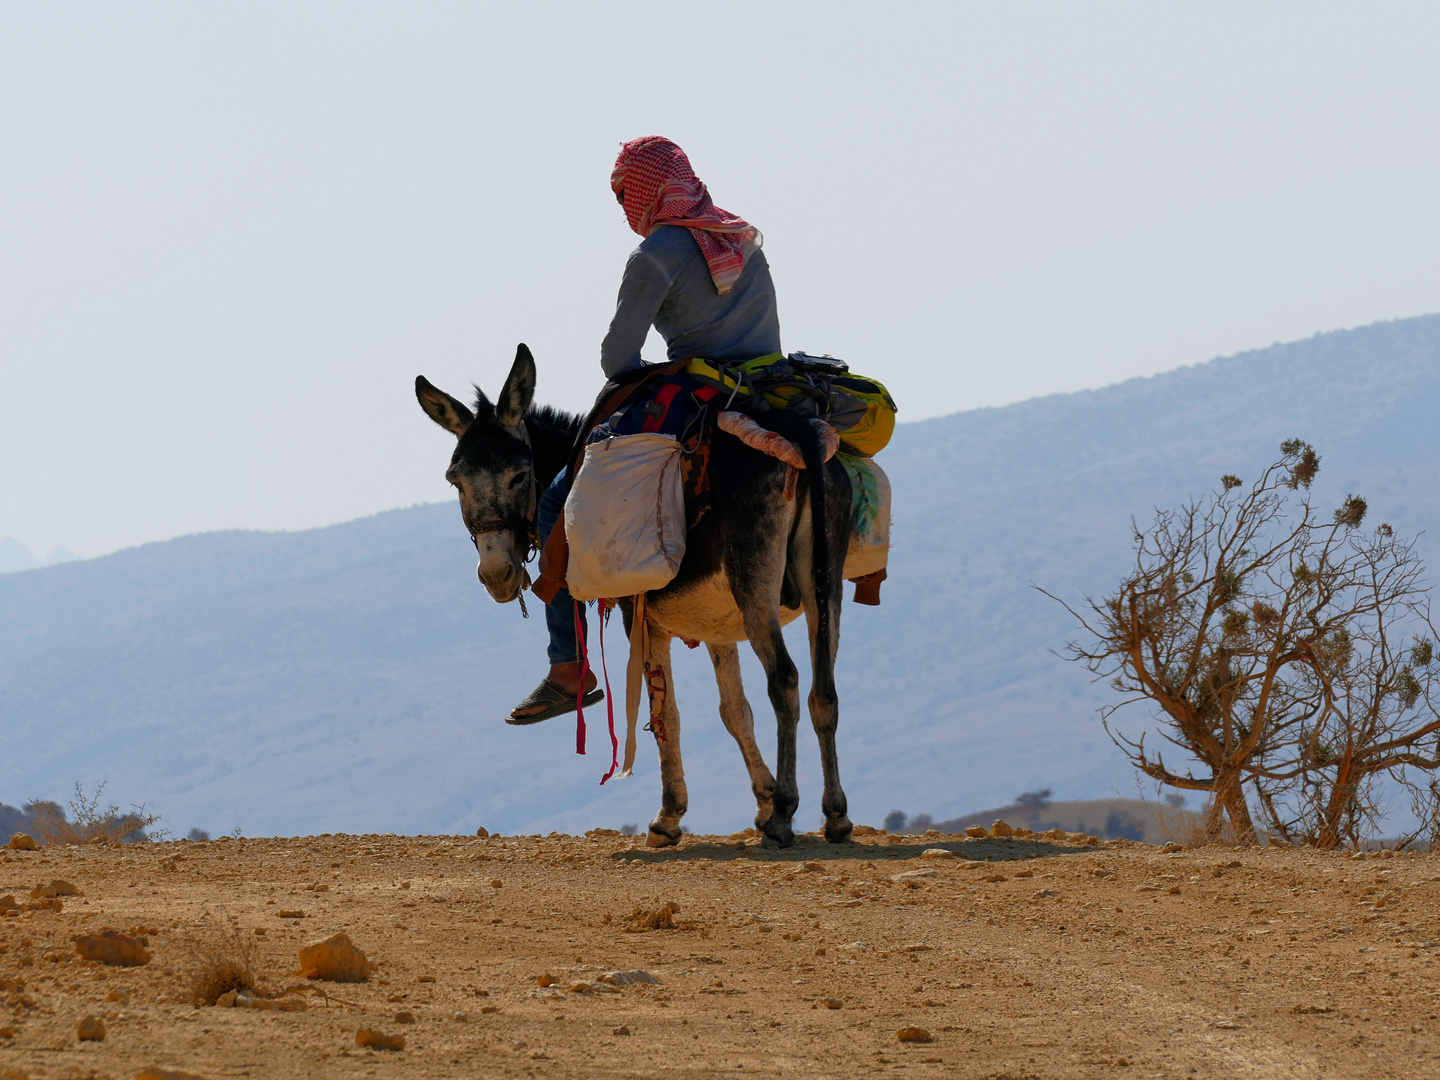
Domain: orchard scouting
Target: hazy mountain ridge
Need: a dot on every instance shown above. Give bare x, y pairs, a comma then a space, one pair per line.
352, 677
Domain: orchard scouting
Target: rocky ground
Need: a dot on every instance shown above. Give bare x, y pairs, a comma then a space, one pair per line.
1016, 958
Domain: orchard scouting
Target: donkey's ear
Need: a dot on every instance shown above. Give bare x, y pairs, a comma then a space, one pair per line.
519, 389
442, 408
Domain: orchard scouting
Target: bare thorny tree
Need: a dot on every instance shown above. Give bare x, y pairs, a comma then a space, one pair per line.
1285, 652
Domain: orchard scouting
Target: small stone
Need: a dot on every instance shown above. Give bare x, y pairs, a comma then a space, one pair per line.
628, 978
581, 987
486, 1010
496, 883
978, 832
260, 930
227, 1000
1001, 829
1024, 834
461, 1018
91, 1029
122, 996
1122, 1062
404, 1018
832, 1003
621, 1030
1170, 847
482, 832
113, 948
1225, 1025
22, 842
155, 1072
1045, 894
7, 1032
546, 980
915, 875
913, 1034
334, 959
378, 1040
290, 914
937, 853
404, 884
55, 888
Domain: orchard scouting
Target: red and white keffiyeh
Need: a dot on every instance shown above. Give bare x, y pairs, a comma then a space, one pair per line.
660, 188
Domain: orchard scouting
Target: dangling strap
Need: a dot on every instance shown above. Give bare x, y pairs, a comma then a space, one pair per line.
634, 678
584, 670
605, 610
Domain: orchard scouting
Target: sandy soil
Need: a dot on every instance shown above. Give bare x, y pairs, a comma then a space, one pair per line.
1021, 959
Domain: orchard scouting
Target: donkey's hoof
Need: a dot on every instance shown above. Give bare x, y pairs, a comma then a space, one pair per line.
838, 832
658, 836
776, 835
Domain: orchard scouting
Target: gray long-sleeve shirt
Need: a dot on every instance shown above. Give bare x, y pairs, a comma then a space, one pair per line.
667, 283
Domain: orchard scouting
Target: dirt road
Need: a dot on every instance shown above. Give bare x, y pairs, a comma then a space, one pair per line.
1019, 958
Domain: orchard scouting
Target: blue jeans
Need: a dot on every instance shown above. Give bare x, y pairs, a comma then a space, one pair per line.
559, 612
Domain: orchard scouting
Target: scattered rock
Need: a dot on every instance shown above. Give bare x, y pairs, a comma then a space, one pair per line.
486, 1010
334, 959
913, 1034
546, 980
496, 883
1225, 1025
404, 1018
290, 914
8, 904
482, 832
622, 1030
155, 1072
580, 986
832, 1003
1001, 830
979, 832
22, 842
1024, 834
937, 853
91, 1029
918, 946
55, 888
1046, 894
122, 996
7, 1032
113, 948
915, 875
628, 978
378, 1040
1170, 847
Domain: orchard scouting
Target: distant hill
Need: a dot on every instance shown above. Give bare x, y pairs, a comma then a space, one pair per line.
353, 678
1109, 819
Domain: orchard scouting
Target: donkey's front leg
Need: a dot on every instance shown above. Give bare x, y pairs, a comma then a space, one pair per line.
740, 722
665, 829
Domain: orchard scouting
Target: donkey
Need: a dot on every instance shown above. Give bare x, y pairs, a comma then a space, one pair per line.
752, 564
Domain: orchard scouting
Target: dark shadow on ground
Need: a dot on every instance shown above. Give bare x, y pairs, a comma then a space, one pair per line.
808, 848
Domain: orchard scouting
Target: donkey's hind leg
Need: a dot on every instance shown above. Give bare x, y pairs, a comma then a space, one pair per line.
824, 702
782, 679
665, 829
740, 722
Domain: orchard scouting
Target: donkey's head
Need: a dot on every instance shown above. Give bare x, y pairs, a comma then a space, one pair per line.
493, 469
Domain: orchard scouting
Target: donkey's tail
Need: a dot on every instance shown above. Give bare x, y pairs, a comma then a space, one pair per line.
804, 436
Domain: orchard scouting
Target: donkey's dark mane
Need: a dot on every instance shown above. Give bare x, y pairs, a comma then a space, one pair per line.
552, 435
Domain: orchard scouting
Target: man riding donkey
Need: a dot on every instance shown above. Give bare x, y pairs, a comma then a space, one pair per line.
700, 278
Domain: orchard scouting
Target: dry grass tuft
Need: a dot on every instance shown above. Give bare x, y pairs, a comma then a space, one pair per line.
661, 918
223, 964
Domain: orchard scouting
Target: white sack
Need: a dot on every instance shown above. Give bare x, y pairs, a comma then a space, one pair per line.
625, 517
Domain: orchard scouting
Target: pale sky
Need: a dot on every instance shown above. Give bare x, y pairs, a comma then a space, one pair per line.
232, 234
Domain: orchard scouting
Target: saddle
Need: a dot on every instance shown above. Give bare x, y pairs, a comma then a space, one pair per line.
685, 399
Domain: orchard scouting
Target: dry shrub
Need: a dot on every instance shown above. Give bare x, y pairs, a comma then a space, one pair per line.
90, 821
222, 964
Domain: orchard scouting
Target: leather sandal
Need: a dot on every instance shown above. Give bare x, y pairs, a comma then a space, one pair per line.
555, 702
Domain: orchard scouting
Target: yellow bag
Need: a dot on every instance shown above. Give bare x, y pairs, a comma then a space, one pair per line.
865, 423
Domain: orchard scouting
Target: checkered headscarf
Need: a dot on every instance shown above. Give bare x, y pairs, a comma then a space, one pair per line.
660, 188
